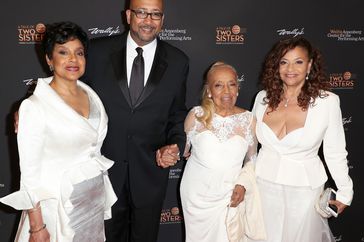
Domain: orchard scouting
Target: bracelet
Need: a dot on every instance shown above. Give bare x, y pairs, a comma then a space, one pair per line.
37, 230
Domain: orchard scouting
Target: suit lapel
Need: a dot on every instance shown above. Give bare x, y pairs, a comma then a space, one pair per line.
118, 60
96, 99
158, 68
64, 111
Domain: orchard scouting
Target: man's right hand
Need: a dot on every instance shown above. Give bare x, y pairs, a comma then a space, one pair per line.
167, 156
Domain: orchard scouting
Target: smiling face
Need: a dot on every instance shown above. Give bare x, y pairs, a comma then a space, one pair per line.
68, 60
144, 31
294, 66
223, 88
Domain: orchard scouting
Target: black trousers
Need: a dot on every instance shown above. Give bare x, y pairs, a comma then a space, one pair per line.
131, 224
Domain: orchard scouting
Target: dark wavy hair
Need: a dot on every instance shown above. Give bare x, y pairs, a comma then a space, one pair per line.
60, 33
272, 83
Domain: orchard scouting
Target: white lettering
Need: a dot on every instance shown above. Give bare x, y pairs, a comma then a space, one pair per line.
347, 120
339, 238
29, 82
294, 32
241, 78
109, 31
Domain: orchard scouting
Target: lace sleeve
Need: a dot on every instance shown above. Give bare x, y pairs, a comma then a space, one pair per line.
190, 128
251, 154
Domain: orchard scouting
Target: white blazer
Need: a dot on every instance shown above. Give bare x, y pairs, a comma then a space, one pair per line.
57, 148
300, 165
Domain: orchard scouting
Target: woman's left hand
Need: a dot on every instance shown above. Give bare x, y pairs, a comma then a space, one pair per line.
340, 206
237, 196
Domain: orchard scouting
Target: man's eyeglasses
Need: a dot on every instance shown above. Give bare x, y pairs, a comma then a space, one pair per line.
143, 14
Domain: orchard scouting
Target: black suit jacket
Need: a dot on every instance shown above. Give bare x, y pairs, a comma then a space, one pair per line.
135, 133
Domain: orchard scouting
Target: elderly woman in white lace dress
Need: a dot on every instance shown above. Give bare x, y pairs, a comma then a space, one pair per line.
222, 139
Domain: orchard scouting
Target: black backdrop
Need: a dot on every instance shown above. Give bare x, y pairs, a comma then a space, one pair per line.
239, 32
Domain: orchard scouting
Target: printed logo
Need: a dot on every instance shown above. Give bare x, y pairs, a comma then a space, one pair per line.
241, 79
338, 238
347, 121
235, 29
346, 35
230, 35
171, 216
31, 34
174, 35
294, 32
345, 80
105, 31
175, 173
29, 82
350, 165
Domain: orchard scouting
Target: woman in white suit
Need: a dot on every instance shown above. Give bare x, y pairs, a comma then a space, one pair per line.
65, 192
295, 114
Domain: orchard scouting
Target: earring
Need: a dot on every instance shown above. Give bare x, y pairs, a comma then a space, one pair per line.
51, 68
237, 94
307, 76
209, 95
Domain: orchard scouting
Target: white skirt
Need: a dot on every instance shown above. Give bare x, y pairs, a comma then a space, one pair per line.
289, 214
87, 215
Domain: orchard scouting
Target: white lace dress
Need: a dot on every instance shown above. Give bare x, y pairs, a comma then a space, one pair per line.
208, 180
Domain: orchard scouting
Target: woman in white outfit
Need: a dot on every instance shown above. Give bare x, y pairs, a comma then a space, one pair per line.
222, 139
296, 114
65, 193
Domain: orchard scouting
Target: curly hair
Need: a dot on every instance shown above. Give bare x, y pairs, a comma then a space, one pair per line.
60, 33
207, 103
272, 83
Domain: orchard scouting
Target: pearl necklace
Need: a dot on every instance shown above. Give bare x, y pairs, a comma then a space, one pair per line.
286, 103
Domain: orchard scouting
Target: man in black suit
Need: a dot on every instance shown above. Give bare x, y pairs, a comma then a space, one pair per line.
145, 133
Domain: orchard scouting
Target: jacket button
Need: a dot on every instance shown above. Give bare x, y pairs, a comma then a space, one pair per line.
93, 144
92, 155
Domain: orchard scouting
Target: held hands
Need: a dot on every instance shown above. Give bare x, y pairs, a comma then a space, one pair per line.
340, 206
237, 196
167, 156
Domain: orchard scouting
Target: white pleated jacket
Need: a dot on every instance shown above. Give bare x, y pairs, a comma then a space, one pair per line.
301, 165
57, 148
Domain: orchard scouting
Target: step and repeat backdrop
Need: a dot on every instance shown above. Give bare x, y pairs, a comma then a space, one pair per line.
239, 32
